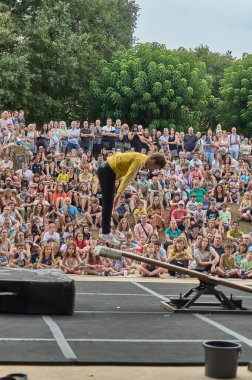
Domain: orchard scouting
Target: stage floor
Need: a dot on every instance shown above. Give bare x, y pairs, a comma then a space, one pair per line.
122, 322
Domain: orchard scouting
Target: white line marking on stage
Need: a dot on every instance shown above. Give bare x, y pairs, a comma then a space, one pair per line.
109, 340
114, 294
119, 312
150, 291
139, 340
222, 328
59, 337
142, 295
27, 340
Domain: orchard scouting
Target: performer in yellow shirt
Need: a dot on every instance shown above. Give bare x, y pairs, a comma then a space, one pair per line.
117, 166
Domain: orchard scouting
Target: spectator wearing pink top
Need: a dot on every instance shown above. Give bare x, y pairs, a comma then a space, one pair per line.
143, 229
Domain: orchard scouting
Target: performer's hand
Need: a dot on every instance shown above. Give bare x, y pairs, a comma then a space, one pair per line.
116, 200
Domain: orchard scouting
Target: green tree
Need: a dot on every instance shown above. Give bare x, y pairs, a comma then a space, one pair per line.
154, 86
63, 42
235, 105
14, 77
216, 64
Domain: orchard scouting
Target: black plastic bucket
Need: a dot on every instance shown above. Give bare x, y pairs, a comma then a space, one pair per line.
221, 358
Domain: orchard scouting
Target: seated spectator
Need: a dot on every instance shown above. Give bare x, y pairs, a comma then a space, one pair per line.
199, 192
59, 196
171, 233
182, 217
46, 259
170, 189
244, 179
119, 267
246, 266
225, 218
217, 244
219, 196
241, 253
69, 209
173, 206
143, 229
245, 208
193, 235
210, 228
142, 182
51, 233
228, 267
214, 215
122, 230
139, 211
234, 234
93, 214
233, 194
156, 214
179, 256
206, 257
19, 258
95, 265
191, 206
150, 270
154, 190
71, 263
122, 211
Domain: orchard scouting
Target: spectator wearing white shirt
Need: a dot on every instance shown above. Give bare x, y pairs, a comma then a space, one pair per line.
73, 135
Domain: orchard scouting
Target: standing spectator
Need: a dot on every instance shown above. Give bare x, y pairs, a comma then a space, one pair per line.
55, 137
135, 138
97, 143
108, 135
208, 146
118, 130
164, 140
191, 142
73, 135
86, 137
234, 144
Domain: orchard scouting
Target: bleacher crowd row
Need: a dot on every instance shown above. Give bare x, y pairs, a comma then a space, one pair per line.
186, 214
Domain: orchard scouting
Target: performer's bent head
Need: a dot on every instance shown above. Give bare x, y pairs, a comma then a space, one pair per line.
155, 161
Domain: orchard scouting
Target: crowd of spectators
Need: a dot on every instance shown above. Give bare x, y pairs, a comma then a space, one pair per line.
186, 214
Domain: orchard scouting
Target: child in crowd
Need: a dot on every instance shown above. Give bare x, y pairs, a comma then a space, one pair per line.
228, 266
150, 270
246, 266
19, 259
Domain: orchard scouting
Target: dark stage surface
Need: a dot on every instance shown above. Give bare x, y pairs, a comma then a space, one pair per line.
122, 322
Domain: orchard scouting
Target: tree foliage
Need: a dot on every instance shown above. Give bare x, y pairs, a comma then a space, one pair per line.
235, 105
154, 86
60, 44
216, 63
14, 77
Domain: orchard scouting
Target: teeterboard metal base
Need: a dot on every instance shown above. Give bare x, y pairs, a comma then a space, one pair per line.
187, 303
205, 308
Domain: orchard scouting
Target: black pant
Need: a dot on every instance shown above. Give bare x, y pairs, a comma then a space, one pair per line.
107, 182
96, 150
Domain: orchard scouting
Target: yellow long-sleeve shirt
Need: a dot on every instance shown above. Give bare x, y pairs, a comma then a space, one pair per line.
126, 165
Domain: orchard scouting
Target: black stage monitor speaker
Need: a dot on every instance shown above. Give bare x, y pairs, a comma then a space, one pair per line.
42, 291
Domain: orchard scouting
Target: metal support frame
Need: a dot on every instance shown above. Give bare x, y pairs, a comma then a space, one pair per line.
187, 304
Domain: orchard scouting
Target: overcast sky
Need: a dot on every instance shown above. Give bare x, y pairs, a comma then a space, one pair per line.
221, 24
